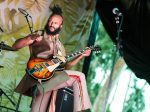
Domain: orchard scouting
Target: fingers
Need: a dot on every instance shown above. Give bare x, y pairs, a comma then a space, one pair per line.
39, 38
86, 52
35, 37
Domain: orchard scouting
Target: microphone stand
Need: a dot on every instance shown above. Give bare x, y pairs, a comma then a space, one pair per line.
31, 30
1, 93
118, 38
18, 103
1, 29
25, 13
118, 48
30, 27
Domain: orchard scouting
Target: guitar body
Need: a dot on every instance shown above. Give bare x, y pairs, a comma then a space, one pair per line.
43, 69
37, 68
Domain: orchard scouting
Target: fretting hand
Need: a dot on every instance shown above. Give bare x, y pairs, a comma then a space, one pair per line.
86, 53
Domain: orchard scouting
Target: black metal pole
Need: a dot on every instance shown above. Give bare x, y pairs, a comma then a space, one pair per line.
2, 92
1, 29
91, 41
9, 108
30, 27
17, 107
118, 48
31, 30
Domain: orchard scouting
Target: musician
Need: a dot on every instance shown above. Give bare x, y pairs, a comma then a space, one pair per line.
45, 46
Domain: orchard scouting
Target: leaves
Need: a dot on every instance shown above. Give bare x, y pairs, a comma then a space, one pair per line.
8, 17
13, 20
77, 22
40, 23
35, 5
135, 102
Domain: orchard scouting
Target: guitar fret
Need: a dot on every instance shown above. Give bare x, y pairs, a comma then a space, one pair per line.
74, 54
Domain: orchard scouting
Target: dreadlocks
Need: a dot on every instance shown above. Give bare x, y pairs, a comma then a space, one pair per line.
56, 10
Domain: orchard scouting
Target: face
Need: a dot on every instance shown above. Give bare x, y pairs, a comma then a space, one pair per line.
54, 24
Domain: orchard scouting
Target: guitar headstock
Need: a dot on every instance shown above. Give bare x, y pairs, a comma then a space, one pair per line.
96, 48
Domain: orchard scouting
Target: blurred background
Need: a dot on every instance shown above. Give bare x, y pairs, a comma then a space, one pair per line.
113, 86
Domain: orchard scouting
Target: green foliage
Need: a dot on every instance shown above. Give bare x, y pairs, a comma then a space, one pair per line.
74, 35
102, 60
106, 44
135, 102
108, 109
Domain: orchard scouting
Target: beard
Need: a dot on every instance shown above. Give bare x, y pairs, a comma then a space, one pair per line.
56, 31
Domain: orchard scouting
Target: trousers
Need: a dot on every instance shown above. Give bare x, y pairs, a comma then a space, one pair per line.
80, 93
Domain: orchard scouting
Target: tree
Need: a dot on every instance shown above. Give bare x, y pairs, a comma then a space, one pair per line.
135, 101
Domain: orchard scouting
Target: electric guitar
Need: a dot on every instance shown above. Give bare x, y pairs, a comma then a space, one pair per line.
43, 69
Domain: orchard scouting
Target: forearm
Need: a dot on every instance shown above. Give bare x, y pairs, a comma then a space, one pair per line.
22, 42
74, 62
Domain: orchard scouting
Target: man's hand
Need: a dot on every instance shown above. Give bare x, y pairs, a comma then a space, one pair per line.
35, 37
86, 53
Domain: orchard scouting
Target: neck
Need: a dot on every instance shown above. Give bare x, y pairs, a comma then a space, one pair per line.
53, 37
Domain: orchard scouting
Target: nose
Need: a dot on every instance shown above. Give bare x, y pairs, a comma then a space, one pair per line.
51, 24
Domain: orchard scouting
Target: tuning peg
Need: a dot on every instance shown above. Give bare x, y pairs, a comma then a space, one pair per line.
97, 52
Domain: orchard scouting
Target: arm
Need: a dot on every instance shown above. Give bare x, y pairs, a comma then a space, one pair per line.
76, 60
26, 41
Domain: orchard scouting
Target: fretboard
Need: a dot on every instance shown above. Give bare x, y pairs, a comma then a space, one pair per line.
74, 54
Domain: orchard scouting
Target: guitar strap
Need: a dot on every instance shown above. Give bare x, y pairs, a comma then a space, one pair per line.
59, 48
55, 49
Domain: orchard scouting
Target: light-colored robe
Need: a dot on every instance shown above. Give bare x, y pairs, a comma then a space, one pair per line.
43, 49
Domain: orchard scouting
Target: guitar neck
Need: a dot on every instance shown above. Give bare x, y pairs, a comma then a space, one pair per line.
73, 55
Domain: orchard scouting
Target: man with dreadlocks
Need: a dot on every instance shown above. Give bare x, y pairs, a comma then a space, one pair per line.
45, 46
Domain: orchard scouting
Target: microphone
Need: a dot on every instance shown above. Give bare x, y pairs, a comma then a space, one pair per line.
24, 12
116, 12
